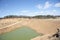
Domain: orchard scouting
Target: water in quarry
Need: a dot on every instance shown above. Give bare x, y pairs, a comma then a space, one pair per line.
23, 33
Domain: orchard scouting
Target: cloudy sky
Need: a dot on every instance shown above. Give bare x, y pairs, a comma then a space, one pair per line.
29, 7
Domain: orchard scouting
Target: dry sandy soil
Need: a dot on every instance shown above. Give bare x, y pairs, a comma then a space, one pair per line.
45, 26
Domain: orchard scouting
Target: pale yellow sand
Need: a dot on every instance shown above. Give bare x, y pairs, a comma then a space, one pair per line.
45, 26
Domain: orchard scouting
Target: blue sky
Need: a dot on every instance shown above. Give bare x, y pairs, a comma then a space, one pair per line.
29, 7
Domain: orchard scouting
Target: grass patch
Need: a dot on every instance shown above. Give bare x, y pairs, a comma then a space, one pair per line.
23, 33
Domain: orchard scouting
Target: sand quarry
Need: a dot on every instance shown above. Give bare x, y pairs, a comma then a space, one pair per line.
44, 26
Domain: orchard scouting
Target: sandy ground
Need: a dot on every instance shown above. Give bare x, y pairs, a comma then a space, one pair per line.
45, 26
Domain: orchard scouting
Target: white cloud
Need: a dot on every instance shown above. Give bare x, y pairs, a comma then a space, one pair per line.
39, 6
24, 11
57, 5
41, 12
54, 10
47, 5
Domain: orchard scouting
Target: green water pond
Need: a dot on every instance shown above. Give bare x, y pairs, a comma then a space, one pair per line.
23, 33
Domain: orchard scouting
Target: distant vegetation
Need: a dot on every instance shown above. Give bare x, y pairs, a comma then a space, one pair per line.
15, 16
38, 16
46, 16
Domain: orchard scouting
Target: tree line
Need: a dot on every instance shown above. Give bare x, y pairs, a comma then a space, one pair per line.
37, 16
